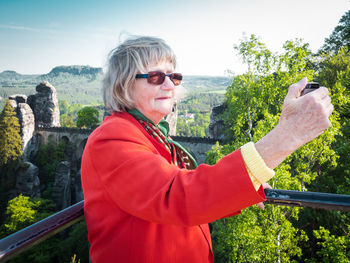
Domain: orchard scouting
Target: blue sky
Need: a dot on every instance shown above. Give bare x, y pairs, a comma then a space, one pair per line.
37, 35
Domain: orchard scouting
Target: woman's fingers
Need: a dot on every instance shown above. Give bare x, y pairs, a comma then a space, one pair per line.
261, 205
295, 89
265, 186
330, 109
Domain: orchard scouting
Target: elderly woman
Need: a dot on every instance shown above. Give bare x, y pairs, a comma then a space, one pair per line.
145, 198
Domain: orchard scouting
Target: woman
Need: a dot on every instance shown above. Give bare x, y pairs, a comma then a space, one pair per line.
145, 198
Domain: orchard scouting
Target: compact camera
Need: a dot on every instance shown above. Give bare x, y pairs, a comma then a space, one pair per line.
311, 86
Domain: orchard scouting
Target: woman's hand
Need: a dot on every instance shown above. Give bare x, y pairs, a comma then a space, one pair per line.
303, 118
265, 186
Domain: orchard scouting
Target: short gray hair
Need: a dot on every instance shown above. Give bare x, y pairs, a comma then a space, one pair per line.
131, 57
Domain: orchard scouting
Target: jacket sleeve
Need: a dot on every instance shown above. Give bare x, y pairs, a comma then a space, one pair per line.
143, 183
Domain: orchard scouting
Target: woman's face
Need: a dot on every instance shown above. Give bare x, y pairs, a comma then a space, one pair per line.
154, 101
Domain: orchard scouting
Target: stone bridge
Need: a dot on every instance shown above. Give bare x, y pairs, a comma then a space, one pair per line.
74, 137
77, 138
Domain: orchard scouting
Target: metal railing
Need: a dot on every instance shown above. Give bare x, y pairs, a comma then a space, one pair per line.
34, 234
38, 232
314, 200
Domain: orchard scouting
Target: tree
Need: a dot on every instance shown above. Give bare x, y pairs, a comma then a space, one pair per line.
67, 121
64, 106
10, 138
334, 72
333, 248
254, 102
88, 117
340, 36
23, 211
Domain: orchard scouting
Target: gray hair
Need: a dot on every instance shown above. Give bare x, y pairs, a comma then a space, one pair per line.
131, 57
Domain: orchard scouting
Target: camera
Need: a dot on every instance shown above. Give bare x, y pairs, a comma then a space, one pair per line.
311, 86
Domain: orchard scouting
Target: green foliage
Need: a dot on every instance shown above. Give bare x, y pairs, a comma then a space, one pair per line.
194, 114
199, 102
333, 248
74, 259
88, 117
22, 211
257, 96
334, 72
197, 126
257, 236
64, 106
46, 153
331, 65
71, 245
10, 138
76, 243
68, 113
67, 121
217, 152
340, 36
47, 159
254, 102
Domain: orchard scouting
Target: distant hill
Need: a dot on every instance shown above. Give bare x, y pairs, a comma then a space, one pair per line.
75, 70
205, 83
82, 84
10, 74
13, 75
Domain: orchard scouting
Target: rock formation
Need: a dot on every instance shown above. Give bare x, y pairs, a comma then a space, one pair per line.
26, 120
172, 119
78, 189
27, 180
61, 190
217, 125
45, 106
40, 109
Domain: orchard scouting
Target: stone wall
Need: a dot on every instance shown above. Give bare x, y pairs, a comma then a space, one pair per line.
198, 147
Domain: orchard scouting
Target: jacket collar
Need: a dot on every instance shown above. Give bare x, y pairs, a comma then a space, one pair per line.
164, 128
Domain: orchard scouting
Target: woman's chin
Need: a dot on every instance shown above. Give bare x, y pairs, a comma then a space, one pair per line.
166, 111
165, 108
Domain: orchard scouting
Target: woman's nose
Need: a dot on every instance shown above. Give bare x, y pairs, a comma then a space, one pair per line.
168, 83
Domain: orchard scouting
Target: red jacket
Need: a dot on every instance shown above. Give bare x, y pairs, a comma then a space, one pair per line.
141, 208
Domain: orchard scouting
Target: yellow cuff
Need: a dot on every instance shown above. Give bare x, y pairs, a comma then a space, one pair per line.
258, 171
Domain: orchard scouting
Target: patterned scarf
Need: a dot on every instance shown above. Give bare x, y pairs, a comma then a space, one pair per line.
178, 156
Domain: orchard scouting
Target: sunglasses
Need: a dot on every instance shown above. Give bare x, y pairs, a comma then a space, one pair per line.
158, 77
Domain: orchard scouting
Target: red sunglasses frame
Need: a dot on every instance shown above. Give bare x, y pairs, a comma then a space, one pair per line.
158, 77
